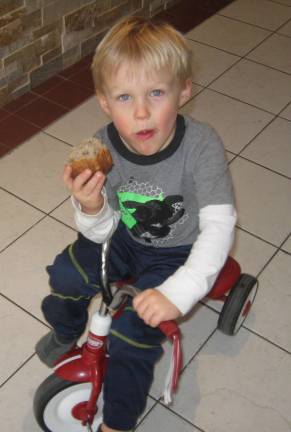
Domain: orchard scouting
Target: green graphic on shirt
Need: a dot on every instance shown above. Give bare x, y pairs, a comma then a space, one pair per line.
128, 211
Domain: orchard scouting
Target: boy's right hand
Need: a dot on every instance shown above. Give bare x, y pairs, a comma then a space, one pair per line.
86, 189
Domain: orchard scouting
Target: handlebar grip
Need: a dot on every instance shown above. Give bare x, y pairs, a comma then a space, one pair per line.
169, 328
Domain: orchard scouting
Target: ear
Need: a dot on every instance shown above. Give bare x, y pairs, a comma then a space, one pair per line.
102, 100
186, 92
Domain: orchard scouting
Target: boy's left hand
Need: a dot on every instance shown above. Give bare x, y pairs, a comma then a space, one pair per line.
153, 307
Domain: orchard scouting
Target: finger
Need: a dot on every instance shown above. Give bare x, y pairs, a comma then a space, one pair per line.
141, 303
138, 299
146, 311
67, 178
82, 179
143, 296
151, 318
154, 321
95, 183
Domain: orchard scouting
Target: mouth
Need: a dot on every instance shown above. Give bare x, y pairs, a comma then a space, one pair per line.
145, 134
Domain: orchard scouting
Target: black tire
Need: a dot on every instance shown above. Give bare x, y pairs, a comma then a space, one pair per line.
49, 397
237, 304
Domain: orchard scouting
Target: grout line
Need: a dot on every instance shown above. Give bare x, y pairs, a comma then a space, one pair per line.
199, 350
282, 245
280, 3
267, 340
267, 66
139, 423
254, 25
22, 235
239, 156
44, 131
181, 417
23, 200
62, 223
241, 101
256, 236
245, 55
24, 310
280, 112
17, 370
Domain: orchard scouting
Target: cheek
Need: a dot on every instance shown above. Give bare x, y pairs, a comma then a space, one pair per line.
123, 126
167, 117
120, 119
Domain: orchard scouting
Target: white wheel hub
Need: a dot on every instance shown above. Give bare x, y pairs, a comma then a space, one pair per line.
58, 412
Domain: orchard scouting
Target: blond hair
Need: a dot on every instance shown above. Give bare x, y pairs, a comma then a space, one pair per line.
140, 42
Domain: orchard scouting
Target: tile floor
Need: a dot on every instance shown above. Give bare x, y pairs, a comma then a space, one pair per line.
242, 87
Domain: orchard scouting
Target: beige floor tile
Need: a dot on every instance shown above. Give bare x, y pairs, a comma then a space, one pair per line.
284, 2
252, 255
271, 310
229, 156
263, 201
262, 13
227, 34
22, 265
272, 148
236, 122
286, 113
161, 420
195, 329
196, 89
16, 398
274, 52
287, 245
257, 85
237, 384
286, 29
65, 213
209, 63
80, 123
19, 333
16, 217
34, 171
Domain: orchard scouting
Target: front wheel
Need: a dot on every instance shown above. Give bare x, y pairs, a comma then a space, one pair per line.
54, 402
237, 304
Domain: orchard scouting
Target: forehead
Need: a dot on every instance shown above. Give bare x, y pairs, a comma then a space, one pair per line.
131, 73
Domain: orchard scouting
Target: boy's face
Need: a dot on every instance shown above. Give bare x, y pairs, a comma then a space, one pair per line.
143, 107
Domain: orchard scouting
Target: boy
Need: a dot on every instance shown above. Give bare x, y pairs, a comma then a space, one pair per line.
167, 203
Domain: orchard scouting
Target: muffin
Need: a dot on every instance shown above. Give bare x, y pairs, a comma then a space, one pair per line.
92, 154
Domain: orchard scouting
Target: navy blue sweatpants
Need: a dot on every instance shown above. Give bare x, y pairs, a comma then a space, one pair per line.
134, 347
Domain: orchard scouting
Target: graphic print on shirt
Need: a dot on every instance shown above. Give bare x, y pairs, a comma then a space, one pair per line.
147, 213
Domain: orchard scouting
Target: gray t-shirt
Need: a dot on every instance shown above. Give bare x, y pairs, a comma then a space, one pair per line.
160, 196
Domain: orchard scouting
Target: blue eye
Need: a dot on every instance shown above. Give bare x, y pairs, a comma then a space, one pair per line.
157, 92
123, 97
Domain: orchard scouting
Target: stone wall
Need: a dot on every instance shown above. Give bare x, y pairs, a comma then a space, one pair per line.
39, 38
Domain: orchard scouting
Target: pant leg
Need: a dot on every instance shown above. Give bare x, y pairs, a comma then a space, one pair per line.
74, 278
135, 347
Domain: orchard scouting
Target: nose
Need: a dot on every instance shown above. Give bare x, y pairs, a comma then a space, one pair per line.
141, 110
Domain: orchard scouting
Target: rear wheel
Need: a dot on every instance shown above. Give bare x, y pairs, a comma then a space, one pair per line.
238, 304
54, 402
